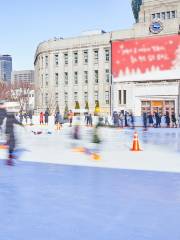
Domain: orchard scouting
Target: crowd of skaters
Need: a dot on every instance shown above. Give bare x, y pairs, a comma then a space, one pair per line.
156, 120
58, 118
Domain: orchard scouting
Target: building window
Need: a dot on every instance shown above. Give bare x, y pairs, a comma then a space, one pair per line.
75, 58
96, 96
42, 62
107, 97
66, 98
163, 15
46, 79
42, 80
96, 56
153, 16
168, 15
86, 56
173, 14
46, 99
124, 96
158, 15
107, 55
57, 97
46, 61
56, 78
86, 77
75, 96
107, 75
85, 96
120, 97
56, 59
75, 78
96, 76
66, 78
65, 58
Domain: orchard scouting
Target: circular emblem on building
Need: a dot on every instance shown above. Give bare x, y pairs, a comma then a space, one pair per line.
156, 27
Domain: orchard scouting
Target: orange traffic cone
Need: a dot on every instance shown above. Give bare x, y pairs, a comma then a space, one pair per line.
135, 146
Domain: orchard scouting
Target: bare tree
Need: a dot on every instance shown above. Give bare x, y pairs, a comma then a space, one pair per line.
5, 91
20, 92
51, 103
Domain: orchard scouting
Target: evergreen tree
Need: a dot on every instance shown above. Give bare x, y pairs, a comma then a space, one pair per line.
136, 4
77, 106
87, 105
97, 110
66, 112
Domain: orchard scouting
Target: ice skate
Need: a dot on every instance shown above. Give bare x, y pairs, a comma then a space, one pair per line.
10, 161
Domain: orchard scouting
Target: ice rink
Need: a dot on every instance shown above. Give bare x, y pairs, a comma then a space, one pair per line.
53, 192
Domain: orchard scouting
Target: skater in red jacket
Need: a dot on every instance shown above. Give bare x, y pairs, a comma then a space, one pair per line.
41, 120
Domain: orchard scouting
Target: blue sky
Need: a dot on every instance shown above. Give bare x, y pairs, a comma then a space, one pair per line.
26, 23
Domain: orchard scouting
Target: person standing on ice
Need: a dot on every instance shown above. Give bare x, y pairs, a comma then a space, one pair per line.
126, 119
167, 119
30, 114
173, 118
46, 116
145, 120
26, 117
11, 143
41, 118
58, 120
21, 116
150, 118
131, 116
90, 120
121, 119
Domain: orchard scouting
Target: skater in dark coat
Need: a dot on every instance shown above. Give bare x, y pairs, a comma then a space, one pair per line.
125, 118
10, 122
46, 116
21, 117
131, 120
145, 120
173, 118
30, 114
58, 120
167, 119
150, 117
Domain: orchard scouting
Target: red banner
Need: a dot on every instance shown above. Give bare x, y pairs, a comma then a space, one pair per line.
142, 56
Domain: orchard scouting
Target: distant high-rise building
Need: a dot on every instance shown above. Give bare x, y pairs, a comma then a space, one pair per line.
23, 76
5, 68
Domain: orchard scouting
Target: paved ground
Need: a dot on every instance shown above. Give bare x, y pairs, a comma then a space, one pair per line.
47, 201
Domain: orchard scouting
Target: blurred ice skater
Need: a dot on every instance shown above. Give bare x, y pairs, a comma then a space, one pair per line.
11, 141
2, 115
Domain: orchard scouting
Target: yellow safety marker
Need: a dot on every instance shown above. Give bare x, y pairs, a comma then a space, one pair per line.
3, 147
96, 156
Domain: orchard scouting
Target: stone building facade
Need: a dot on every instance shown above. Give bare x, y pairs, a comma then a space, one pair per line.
79, 69
156, 88
74, 70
